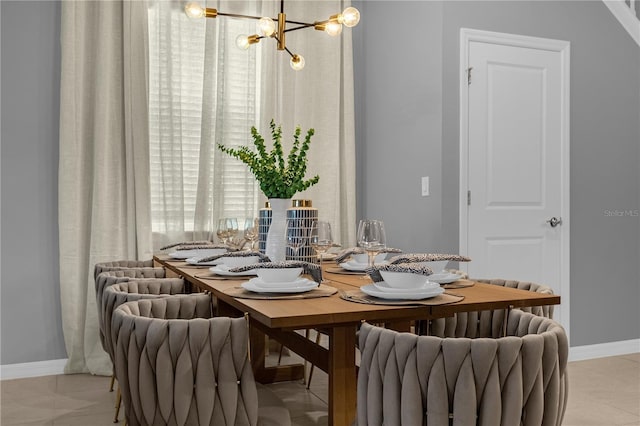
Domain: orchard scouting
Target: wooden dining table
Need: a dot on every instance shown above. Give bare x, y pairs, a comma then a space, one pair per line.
338, 319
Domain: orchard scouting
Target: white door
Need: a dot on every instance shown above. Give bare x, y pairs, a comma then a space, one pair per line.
515, 187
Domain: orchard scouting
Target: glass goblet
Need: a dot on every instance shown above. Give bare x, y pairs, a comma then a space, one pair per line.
320, 238
297, 234
251, 231
372, 238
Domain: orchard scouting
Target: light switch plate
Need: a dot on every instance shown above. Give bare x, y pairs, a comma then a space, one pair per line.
425, 186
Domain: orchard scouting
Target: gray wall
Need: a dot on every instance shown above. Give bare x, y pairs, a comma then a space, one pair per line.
30, 296
400, 133
406, 121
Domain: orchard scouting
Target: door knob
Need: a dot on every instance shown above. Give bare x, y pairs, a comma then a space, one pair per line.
554, 221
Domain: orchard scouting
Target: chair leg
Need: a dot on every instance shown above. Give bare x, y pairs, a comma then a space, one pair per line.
118, 403
312, 366
113, 379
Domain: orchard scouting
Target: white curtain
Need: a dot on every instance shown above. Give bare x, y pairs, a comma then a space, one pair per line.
205, 91
103, 189
321, 97
125, 123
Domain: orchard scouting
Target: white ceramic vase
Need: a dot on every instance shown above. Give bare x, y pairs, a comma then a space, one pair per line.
276, 247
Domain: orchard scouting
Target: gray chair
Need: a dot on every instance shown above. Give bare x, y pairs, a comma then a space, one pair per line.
119, 290
519, 379
178, 365
118, 265
485, 323
109, 278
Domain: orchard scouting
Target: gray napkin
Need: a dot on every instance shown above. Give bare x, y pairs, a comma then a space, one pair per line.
262, 257
427, 257
376, 277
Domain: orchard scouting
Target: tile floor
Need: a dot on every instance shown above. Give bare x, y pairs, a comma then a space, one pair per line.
602, 392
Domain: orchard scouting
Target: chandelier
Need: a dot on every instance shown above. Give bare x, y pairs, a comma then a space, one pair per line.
276, 28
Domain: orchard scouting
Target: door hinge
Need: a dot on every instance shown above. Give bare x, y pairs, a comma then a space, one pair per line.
469, 197
469, 75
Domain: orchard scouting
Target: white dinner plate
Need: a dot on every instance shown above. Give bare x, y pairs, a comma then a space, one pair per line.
259, 282
372, 290
428, 286
298, 286
218, 270
194, 261
358, 267
444, 278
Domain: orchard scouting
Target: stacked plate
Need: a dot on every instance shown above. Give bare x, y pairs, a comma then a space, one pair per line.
384, 291
279, 280
196, 261
403, 286
223, 270
444, 277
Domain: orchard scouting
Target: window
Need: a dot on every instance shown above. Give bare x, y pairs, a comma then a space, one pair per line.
194, 104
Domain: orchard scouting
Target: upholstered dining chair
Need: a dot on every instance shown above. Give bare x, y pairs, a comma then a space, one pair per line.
520, 379
119, 290
118, 265
177, 365
485, 323
109, 273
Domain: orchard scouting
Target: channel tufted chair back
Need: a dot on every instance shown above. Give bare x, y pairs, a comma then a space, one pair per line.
178, 366
109, 278
520, 379
131, 290
486, 323
543, 311
118, 265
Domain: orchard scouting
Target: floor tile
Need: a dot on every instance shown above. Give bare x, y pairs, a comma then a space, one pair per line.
602, 392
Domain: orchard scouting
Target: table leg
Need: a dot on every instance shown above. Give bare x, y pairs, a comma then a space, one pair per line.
342, 375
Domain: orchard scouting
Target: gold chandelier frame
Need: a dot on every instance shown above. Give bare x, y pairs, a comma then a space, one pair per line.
277, 27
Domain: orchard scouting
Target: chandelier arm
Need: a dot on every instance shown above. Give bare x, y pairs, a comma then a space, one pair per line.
299, 28
299, 23
237, 15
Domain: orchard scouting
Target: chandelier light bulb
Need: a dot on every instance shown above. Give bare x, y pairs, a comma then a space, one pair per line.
266, 27
242, 41
333, 28
350, 17
297, 62
193, 10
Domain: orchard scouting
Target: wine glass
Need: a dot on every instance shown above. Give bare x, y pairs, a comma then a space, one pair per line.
297, 234
371, 237
232, 227
320, 238
221, 231
251, 231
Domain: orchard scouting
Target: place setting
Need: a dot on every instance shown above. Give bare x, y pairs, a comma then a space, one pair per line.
401, 284
372, 250
437, 262
224, 264
186, 250
281, 280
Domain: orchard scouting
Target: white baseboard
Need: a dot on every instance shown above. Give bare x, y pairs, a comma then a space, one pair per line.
32, 369
601, 350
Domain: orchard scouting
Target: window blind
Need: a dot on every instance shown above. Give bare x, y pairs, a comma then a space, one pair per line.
202, 91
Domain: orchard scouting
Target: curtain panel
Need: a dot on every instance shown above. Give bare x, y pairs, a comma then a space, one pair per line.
321, 96
146, 96
104, 207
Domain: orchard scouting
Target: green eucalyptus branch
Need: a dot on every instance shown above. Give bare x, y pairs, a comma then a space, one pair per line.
277, 178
